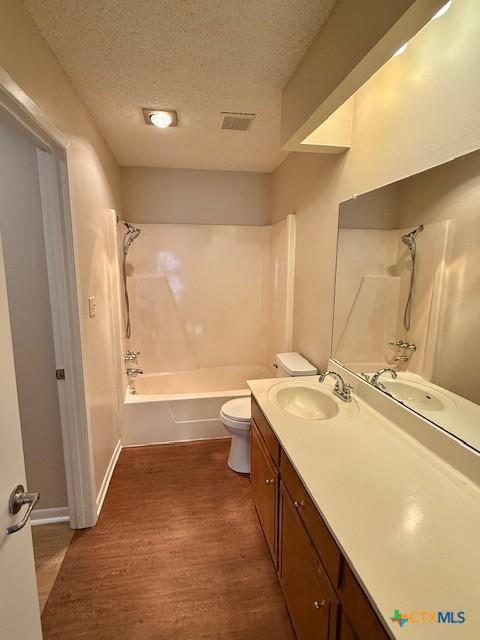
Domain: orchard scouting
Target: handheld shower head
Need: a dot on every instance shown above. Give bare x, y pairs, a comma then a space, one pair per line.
409, 238
131, 234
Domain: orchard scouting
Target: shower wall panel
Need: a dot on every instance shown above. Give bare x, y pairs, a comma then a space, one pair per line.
199, 295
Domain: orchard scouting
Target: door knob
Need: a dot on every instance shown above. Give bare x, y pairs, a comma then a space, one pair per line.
270, 481
319, 604
17, 499
299, 503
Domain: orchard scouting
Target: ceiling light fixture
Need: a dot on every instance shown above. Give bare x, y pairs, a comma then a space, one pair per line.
402, 49
161, 118
441, 12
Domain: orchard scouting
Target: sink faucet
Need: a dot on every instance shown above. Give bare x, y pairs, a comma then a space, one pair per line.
341, 389
376, 376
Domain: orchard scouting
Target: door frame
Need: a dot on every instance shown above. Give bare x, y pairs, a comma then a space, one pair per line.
53, 164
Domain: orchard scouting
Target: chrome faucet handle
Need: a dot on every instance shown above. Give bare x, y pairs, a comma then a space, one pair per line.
346, 394
133, 371
402, 344
364, 376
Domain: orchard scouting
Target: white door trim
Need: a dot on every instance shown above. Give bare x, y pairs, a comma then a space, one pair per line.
59, 243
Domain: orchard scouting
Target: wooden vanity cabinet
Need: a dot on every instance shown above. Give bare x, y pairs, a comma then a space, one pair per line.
321, 538
346, 632
310, 600
324, 598
264, 479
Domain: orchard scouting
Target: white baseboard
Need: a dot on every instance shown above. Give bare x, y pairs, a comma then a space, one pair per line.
108, 476
192, 440
49, 516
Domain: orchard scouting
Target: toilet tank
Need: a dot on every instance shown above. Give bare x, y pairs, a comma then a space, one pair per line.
293, 364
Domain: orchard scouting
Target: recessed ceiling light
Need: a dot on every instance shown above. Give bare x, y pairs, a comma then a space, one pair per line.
441, 12
161, 118
402, 49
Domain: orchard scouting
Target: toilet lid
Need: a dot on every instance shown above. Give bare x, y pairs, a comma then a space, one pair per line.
238, 409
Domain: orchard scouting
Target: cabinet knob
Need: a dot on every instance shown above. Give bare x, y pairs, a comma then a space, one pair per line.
299, 503
320, 604
269, 481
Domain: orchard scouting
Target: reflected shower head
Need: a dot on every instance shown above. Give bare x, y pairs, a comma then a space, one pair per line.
134, 233
409, 238
131, 235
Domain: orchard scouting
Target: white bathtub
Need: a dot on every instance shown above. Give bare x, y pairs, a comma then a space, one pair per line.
184, 405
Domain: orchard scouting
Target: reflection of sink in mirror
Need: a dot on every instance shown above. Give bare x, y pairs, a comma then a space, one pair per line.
420, 397
406, 292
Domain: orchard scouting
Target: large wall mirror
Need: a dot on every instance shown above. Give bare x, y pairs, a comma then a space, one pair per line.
407, 293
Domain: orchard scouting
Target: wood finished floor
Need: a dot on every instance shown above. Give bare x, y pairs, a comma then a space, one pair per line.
178, 554
50, 544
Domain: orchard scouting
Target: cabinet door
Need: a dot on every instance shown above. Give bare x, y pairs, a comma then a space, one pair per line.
346, 631
310, 599
265, 492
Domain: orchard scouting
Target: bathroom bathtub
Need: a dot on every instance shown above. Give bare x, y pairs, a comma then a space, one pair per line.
184, 405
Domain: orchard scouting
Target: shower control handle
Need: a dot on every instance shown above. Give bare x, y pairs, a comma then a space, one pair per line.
403, 345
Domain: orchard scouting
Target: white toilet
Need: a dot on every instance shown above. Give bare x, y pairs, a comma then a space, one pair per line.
235, 414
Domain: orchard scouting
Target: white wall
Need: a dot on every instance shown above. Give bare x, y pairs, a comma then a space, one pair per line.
421, 109
195, 196
94, 182
21, 226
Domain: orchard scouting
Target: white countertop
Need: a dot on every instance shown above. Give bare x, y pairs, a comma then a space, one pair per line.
407, 521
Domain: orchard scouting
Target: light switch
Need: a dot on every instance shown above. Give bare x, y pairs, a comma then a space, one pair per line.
92, 306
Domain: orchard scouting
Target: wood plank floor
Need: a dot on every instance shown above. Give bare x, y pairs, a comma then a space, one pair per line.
50, 544
178, 554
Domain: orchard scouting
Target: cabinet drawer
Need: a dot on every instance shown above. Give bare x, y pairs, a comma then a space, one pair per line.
361, 616
265, 488
322, 539
266, 432
310, 600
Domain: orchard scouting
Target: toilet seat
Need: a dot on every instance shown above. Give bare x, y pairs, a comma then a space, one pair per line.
237, 413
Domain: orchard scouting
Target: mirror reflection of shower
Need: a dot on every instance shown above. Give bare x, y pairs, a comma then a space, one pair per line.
129, 238
409, 240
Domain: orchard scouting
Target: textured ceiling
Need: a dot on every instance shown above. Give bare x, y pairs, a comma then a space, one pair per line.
200, 57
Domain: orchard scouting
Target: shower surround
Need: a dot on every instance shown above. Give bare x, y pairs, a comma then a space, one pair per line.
210, 306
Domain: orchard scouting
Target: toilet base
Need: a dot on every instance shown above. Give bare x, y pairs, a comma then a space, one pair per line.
239, 457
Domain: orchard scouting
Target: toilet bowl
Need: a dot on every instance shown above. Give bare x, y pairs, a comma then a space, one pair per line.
235, 414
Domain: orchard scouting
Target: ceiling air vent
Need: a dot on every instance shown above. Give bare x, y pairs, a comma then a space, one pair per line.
236, 121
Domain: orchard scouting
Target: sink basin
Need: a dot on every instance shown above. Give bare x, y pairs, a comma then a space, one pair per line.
417, 396
304, 401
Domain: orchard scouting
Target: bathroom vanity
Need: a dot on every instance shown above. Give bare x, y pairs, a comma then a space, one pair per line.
353, 512
322, 594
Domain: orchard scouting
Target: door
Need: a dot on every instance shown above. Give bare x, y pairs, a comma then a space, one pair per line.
19, 608
265, 492
310, 600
